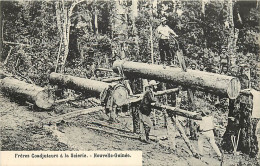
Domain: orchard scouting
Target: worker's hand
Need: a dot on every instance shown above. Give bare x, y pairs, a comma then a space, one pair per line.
231, 118
153, 103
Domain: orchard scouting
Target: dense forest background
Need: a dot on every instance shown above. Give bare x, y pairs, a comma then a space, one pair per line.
64, 36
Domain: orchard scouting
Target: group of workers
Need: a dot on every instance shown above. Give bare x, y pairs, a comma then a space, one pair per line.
206, 125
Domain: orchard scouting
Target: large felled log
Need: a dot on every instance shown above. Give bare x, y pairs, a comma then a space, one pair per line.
91, 87
32, 93
216, 83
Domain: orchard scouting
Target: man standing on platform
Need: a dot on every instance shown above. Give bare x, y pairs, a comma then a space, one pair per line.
145, 111
163, 32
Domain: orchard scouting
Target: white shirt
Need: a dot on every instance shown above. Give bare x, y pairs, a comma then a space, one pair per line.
206, 123
164, 32
256, 104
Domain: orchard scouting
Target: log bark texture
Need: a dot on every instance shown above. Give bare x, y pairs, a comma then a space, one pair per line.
91, 87
32, 93
215, 83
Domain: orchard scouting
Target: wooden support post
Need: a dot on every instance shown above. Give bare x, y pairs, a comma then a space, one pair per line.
136, 119
165, 102
171, 132
183, 135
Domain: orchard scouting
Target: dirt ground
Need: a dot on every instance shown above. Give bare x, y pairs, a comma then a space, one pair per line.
20, 131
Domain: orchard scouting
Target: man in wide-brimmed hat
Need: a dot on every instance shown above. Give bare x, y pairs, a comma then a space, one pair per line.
145, 110
163, 32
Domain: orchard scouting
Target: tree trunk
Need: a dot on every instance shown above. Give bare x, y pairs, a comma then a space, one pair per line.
89, 87
1, 30
29, 92
151, 32
95, 18
215, 83
64, 14
134, 8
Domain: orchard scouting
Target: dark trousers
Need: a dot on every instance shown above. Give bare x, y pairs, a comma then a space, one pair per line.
166, 54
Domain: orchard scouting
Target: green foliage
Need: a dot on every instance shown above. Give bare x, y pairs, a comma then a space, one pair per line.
36, 27
200, 36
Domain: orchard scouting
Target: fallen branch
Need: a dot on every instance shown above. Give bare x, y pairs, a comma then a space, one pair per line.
14, 43
65, 100
72, 115
8, 55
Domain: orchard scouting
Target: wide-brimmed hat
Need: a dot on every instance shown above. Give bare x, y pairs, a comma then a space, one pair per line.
152, 83
163, 19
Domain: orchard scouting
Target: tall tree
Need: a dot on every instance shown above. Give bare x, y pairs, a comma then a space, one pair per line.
1, 30
64, 11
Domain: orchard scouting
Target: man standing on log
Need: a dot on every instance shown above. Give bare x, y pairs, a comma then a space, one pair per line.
145, 109
206, 127
163, 32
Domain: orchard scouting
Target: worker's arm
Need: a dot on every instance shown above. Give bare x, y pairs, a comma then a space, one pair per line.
172, 32
151, 97
158, 33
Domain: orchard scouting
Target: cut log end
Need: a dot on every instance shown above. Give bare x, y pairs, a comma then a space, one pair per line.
22, 91
44, 100
234, 88
120, 95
